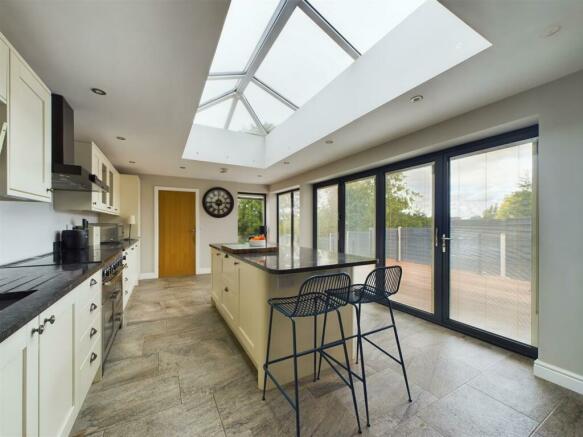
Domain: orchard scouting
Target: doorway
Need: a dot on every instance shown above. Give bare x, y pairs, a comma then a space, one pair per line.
176, 212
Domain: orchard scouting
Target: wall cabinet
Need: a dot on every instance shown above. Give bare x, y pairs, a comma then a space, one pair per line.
4, 55
89, 155
42, 384
25, 162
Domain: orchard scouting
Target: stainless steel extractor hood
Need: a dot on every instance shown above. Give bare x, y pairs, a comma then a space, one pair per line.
68, 176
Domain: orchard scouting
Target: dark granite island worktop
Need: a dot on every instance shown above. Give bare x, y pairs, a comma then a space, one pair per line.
50, 280
299, 260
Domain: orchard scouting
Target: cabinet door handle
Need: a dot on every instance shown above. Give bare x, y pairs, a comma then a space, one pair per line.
93, 307
236, 263
50, 320
94, 203
92, 282
93, 357
92, 332
226, 289
40, 330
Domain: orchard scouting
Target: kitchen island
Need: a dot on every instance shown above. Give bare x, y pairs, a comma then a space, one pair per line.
243, 283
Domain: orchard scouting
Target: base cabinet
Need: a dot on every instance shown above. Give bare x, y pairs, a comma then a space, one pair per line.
216, 275
131, 272
56, 375
19, 368
42, 382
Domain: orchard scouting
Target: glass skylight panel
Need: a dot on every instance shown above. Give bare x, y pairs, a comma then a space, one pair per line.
245, 23
242, 120
215, 88
303, 60
214, 116
270, 111
364, 22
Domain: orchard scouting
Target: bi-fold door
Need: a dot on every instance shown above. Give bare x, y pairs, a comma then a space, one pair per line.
462, 225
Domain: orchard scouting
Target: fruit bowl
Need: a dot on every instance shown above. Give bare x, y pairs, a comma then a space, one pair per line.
257, 243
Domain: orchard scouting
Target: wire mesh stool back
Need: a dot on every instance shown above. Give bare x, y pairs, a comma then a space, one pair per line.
383, 282
317, 287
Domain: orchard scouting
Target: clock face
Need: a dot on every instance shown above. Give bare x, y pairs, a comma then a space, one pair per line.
218, 202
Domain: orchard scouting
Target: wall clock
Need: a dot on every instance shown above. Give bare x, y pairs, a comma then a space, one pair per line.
218, 202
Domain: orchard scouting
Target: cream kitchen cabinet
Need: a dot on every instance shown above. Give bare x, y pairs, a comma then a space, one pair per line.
44, 377
230, 291
56, 381
25, 162
4, 56
216, 275
89, 155
19, 382
131, 272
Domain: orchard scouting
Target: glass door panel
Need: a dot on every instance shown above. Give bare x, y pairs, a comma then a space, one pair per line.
409, 203
296, 218
491, 211
284, 221
360, 233
327, 218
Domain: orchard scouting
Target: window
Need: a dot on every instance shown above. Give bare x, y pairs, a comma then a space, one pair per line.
250, 215
288, 218
275, 56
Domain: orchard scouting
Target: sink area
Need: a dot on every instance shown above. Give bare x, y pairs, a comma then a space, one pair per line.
11, 297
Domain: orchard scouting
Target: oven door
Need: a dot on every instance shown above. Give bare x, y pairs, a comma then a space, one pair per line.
111, 295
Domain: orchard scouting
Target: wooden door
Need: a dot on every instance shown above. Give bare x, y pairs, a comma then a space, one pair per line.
176, 212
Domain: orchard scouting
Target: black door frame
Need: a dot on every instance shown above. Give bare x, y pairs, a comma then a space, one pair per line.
291, 194
440, 162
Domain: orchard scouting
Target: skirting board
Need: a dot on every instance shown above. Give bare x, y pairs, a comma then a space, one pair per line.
559, 376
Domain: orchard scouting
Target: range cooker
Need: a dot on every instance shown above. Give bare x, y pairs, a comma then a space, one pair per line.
111, 302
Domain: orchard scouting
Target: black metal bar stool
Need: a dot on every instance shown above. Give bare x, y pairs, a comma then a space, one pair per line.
379, 286
318, 295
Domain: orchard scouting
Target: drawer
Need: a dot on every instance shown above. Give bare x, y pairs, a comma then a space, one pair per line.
88, 338
88, 287
86, 312
88, 370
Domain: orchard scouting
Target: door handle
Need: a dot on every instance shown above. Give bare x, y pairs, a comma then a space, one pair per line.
226, 289
92, 282
50, 320
40, 330
92, 332
93, 357
92, 308
444, 239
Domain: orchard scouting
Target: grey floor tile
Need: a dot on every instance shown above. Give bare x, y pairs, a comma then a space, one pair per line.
469, 412
128, 370
566, 420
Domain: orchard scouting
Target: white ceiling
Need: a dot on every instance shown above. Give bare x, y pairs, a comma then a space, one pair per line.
152, 57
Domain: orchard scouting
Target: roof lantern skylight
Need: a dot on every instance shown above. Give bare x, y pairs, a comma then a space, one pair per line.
275, 55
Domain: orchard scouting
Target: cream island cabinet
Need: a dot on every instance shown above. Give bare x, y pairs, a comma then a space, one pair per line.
242, 285
48, 365
25, 106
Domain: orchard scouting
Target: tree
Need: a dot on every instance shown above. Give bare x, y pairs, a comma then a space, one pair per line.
250, 217
400, 204
517, 204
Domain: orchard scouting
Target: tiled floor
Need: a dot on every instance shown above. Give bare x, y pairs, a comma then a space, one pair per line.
176, 371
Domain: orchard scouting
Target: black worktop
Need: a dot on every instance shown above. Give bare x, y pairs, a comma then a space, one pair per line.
299, 259
53, 277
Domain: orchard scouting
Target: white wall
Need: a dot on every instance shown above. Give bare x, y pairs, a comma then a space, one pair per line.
558, 108
212, 230
29, 228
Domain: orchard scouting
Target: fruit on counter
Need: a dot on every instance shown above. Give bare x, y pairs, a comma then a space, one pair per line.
258, 238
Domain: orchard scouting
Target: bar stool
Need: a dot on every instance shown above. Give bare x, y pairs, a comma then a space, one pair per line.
379, 286
318, 295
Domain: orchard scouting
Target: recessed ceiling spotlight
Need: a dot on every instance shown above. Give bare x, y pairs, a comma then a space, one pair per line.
132, 162
550, 31
416, 98
285, 162
223, 170
121, 138
182, 167
98, 91
329, 141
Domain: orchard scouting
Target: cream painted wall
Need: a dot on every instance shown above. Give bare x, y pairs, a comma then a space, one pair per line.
29, 228
212, 230
558, 108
